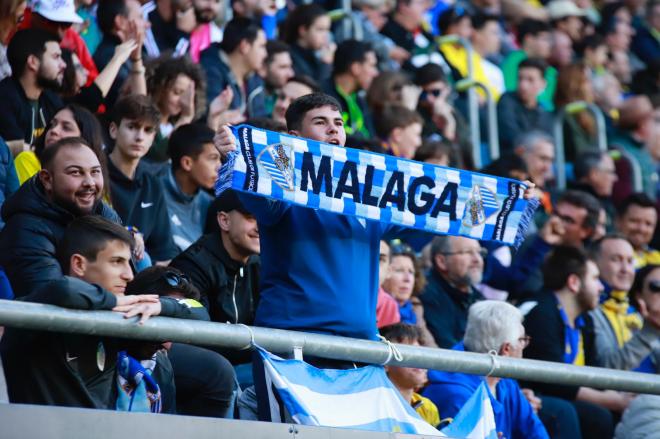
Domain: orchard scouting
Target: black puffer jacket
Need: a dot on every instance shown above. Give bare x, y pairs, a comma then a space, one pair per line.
33, 228
229, 289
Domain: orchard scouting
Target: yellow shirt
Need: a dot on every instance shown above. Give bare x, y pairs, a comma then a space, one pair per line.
27, 164
426, 409
646, 257
457, 57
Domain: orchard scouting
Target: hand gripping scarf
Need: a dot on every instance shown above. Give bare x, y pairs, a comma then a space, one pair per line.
376, 186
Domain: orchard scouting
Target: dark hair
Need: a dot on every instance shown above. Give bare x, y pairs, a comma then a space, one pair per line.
306, 80
88, 124
450, 16
595, 247
401, 332
301, 16
395, 116
531, 27
480, 20
591, 42
503, 166
158, 280
533, 63
607, 16
637, 199
349, 52
267, 123
24, 43
87, 236
275, 47
106, 12
586, 201
562, 262
69, 80
586, 161
163, 73
188, 140
237, 30
429, 73
638, 284
49, 154
435, 149
136, 107
296, 112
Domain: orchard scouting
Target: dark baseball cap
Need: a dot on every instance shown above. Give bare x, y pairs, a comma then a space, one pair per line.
228, 201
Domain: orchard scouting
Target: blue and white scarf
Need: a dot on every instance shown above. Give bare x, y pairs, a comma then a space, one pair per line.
376, 186
137, 391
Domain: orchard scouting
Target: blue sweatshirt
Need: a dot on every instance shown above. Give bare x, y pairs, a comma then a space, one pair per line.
514, 417
319, 270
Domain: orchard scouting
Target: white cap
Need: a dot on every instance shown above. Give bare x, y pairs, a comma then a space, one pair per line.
559, 9
59, 11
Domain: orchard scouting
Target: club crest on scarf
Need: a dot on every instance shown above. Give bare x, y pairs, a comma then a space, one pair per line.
278, 161
481, 205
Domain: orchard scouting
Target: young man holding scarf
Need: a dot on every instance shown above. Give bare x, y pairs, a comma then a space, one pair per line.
319, 270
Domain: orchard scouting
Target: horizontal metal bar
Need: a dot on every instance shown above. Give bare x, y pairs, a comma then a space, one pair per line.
106, 323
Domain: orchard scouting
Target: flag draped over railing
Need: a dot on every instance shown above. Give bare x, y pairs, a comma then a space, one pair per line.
376, 187
362, 398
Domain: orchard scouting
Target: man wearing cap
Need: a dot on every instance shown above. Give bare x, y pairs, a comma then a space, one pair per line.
566, 17
224, 267
57, 17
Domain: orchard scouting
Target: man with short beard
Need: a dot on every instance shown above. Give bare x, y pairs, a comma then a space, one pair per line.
206, 32
458, 267
69, 185
29, 101
562, 331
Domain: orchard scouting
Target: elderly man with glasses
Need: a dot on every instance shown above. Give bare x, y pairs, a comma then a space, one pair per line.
458, 265
496, 328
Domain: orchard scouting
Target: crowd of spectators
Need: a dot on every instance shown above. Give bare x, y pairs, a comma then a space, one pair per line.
115, 121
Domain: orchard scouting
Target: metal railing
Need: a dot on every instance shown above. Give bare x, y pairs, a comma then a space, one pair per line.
493, 131
473, 101
560, 154
106, 323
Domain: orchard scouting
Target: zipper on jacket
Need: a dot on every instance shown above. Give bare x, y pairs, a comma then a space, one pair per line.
233, 293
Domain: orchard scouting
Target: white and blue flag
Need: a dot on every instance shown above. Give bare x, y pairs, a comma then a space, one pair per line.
475, 420
362, 398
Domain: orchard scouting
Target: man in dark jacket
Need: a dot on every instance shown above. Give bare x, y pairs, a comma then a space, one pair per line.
234, 63
69, 185
223, 265
458, 266
79, 370
519, 111
28, 102
561, 331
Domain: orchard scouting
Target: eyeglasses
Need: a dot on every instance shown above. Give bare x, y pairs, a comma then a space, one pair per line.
474, 252
176, 280
524, 341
